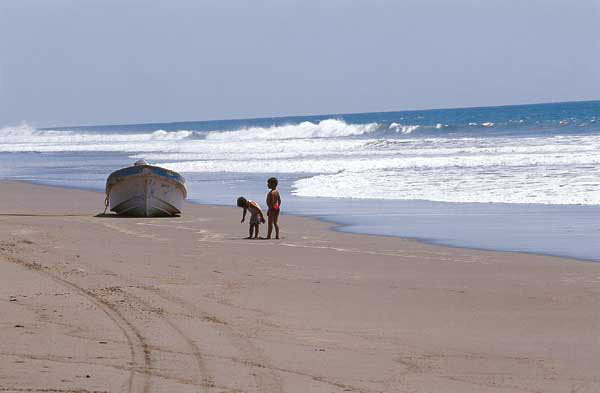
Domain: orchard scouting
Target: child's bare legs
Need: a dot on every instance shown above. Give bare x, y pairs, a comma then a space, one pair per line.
273, 218
275, 222
252, 230
270, 228
255, 231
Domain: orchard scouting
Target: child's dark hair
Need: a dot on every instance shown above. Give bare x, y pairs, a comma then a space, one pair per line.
272, 180
242, 202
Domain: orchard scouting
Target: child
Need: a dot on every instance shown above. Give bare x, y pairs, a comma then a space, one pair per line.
274, 204
255, 213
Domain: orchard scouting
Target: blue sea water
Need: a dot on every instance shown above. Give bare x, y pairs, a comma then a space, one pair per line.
516, 178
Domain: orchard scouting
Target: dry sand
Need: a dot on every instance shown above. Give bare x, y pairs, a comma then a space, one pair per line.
98, 304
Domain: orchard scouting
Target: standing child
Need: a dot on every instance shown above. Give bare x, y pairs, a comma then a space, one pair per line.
256, 215
274, 204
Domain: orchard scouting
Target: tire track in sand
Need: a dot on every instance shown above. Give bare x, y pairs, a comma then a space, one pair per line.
264, 375
138, 379
205, 379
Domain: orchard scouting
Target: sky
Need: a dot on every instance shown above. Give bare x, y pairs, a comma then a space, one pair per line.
75, 62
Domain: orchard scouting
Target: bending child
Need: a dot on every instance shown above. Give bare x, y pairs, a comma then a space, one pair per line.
274, 204
256, 215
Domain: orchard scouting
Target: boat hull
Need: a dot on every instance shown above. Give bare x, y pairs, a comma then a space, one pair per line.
146, 191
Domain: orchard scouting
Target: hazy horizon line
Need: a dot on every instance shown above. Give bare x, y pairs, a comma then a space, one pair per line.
310, 115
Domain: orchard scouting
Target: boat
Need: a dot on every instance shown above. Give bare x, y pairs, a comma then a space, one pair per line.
145, 190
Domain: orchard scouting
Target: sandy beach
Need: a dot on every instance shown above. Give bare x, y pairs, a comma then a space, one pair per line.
106, 304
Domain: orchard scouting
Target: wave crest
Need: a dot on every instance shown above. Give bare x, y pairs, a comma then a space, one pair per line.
330, 128
400, 128
163, 135
25, 131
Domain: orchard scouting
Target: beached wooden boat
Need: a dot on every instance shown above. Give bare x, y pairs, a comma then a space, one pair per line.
145, 190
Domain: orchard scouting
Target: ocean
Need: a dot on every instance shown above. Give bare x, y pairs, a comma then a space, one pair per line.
511, 178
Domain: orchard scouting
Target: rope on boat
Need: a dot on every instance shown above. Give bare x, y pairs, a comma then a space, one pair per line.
105, 203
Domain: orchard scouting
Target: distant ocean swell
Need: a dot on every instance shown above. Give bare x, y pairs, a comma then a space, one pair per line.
326, 128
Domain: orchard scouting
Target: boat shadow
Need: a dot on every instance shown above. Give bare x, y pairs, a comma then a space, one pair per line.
40, 215
114, 215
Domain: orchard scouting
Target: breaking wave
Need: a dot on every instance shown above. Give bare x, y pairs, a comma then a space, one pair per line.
330, 128
26, 138
402, 128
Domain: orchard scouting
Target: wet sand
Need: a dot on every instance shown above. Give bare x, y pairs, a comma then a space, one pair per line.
105, 304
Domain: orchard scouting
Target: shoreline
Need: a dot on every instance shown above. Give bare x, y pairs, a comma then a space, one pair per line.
182, 304
344, 227
337, 227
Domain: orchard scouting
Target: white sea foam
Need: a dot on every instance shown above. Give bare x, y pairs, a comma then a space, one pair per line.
539, 185
330, 128
539, 169
550, 170
26, 138
171, 135
366, 163
403, 129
